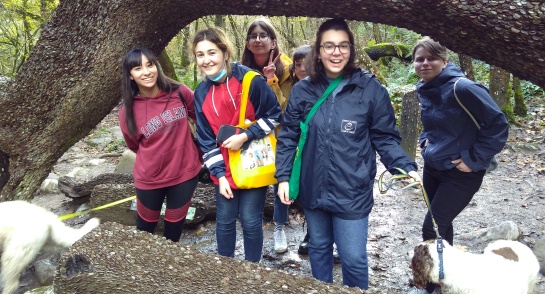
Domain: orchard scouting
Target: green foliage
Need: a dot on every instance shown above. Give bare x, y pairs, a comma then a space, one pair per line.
529, 89
20, 25
115, 145
186, 76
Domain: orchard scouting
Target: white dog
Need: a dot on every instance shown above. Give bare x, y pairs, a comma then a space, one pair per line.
508, 267
25, 229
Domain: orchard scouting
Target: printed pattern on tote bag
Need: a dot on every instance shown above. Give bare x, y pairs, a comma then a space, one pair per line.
259, 153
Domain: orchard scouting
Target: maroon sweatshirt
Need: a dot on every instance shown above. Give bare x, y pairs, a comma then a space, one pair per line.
165, 152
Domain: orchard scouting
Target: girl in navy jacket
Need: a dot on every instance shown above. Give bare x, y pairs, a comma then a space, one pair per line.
456, 152
339, 159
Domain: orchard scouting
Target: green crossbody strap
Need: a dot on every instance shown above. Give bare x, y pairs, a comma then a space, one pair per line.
327, 92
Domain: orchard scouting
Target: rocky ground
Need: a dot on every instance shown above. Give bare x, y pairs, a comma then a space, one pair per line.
512, 192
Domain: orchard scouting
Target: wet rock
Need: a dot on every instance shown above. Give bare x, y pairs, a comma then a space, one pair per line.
107, 193
508, 230
49, 186
126, 162
76, 189
45, 270
42, 290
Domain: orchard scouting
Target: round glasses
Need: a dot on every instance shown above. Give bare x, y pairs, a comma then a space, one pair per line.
263, 37
329, 47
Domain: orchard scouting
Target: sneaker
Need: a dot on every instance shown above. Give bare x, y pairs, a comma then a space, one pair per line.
336, 257
303, 247
415, 290
280, 242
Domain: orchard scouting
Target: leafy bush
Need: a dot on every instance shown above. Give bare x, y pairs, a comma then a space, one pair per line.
529, 89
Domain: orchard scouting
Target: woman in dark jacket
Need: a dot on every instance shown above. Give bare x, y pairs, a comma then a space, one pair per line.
456, 152
339, 158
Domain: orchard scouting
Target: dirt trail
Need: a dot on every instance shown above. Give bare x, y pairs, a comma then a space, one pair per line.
512, 192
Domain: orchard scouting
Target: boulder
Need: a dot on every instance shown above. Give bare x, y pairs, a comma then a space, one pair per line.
507, 230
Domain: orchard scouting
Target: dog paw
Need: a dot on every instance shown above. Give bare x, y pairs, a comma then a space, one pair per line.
92, 223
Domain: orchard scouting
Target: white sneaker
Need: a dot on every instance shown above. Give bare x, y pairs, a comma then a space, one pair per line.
280, 242
415, 290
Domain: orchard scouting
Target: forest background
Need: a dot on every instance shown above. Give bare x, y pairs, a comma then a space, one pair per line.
384, 50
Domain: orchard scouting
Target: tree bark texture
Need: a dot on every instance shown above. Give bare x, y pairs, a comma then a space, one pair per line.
466, 65
118, 259
499, 86
409, 127
520, 108
71, 79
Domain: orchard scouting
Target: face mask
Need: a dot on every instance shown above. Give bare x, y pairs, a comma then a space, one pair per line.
219, 75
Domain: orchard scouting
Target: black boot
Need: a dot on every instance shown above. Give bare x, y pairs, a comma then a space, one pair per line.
303, 247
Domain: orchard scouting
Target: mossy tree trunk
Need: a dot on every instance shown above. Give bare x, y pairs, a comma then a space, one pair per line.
520, 105
409, 126
167, 66
466, 65
499, 86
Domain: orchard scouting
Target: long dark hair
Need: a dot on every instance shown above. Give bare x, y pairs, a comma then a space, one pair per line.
299, 54
129, 88
248, 57
313, 66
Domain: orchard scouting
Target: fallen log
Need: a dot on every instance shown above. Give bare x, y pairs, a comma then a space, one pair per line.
118, 259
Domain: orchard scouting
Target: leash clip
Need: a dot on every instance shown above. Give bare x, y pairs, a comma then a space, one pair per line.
440, 252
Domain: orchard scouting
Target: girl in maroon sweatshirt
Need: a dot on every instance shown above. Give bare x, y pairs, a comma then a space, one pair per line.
154, 122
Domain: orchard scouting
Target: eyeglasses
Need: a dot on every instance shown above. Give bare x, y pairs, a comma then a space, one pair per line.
263, 37
329, 47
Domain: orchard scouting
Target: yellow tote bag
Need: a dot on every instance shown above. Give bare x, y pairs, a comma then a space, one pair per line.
253, 167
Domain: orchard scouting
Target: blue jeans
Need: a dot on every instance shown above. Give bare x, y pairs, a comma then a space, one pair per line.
350, 236
247, 204
280, 215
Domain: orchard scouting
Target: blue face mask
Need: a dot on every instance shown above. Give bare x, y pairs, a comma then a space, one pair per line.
219, 75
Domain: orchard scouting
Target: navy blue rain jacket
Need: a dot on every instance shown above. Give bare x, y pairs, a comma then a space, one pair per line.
449, 130
339, 159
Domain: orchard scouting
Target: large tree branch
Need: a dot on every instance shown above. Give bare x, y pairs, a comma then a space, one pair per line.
71, 80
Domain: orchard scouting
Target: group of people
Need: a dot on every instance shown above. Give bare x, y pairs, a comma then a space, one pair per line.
355, 122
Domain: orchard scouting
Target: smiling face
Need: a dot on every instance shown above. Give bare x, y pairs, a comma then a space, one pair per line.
334, 62
145, 76
210, 59
259, 42
426, 65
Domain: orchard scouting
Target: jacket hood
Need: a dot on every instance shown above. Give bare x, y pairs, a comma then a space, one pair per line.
434, 87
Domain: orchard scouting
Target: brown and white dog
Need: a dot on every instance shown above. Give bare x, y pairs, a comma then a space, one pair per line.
26, 229
505, 267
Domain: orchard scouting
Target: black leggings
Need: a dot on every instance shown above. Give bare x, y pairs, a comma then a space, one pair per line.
178, 199
449, 193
